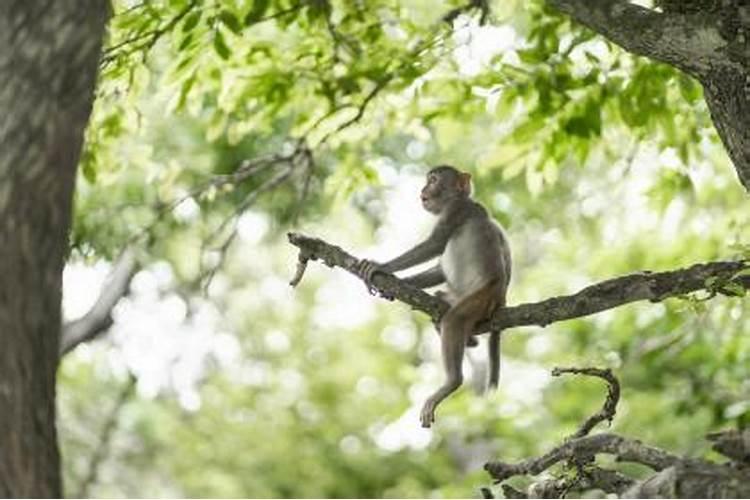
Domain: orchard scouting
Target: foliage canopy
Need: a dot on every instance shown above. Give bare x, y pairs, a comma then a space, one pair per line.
218, 125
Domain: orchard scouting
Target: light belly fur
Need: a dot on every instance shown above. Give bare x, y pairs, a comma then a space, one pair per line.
477, 242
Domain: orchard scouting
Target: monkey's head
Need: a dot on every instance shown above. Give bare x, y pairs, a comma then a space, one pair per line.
444, 183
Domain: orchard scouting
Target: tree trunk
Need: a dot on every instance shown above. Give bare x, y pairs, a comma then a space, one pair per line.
48, 63
727, 93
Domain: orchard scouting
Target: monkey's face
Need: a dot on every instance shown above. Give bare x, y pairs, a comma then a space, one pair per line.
440, 188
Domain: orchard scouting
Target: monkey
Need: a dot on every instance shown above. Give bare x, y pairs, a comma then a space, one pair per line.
474, 262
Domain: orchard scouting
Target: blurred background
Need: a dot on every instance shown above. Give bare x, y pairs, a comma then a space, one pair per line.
220, 126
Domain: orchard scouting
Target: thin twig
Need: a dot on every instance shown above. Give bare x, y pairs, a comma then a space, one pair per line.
153, 36
206, 277
481, 5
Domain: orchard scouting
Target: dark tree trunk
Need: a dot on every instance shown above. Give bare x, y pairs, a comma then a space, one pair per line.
727, 93
48, 66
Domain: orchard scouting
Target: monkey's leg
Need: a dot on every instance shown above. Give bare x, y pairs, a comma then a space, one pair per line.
471, 340
455, 327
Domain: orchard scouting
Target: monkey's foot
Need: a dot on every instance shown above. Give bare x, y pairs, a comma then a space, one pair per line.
427, 417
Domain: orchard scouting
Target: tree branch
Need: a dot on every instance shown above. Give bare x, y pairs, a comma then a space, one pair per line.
590, 478
588, 475
690, 478
714, 277
99, 318
481, 5
732, 443
669, 38
675, 477
626, 450
150, 37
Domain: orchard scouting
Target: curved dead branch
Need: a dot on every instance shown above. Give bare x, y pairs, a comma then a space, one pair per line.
610, 403
721, 277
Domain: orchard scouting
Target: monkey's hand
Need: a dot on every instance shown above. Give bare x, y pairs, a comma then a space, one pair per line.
366, 269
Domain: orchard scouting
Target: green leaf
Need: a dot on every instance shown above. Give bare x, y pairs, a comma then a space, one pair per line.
230, 21
256, 12
191, 21
531, 56
318, 9
220, 45
185, 90
588, 124
185, 42
88, 168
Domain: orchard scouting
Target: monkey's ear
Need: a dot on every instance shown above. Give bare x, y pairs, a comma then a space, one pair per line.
464, 182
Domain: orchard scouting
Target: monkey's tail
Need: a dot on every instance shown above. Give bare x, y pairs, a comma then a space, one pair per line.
493, 352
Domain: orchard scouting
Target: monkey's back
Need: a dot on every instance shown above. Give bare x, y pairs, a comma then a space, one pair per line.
477, 253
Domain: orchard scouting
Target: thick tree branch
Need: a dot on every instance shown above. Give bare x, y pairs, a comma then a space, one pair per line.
714, 277
677, 477
694, 479
670, 38
99, 318
626, 450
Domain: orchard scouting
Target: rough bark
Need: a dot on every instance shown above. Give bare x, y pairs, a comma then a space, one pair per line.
709, 40
715, 277
727, 93
48, 63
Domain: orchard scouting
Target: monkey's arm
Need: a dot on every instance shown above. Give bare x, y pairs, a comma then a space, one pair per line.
428, 249
431, 277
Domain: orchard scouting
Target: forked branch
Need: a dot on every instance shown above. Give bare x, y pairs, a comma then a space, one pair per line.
673, 477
